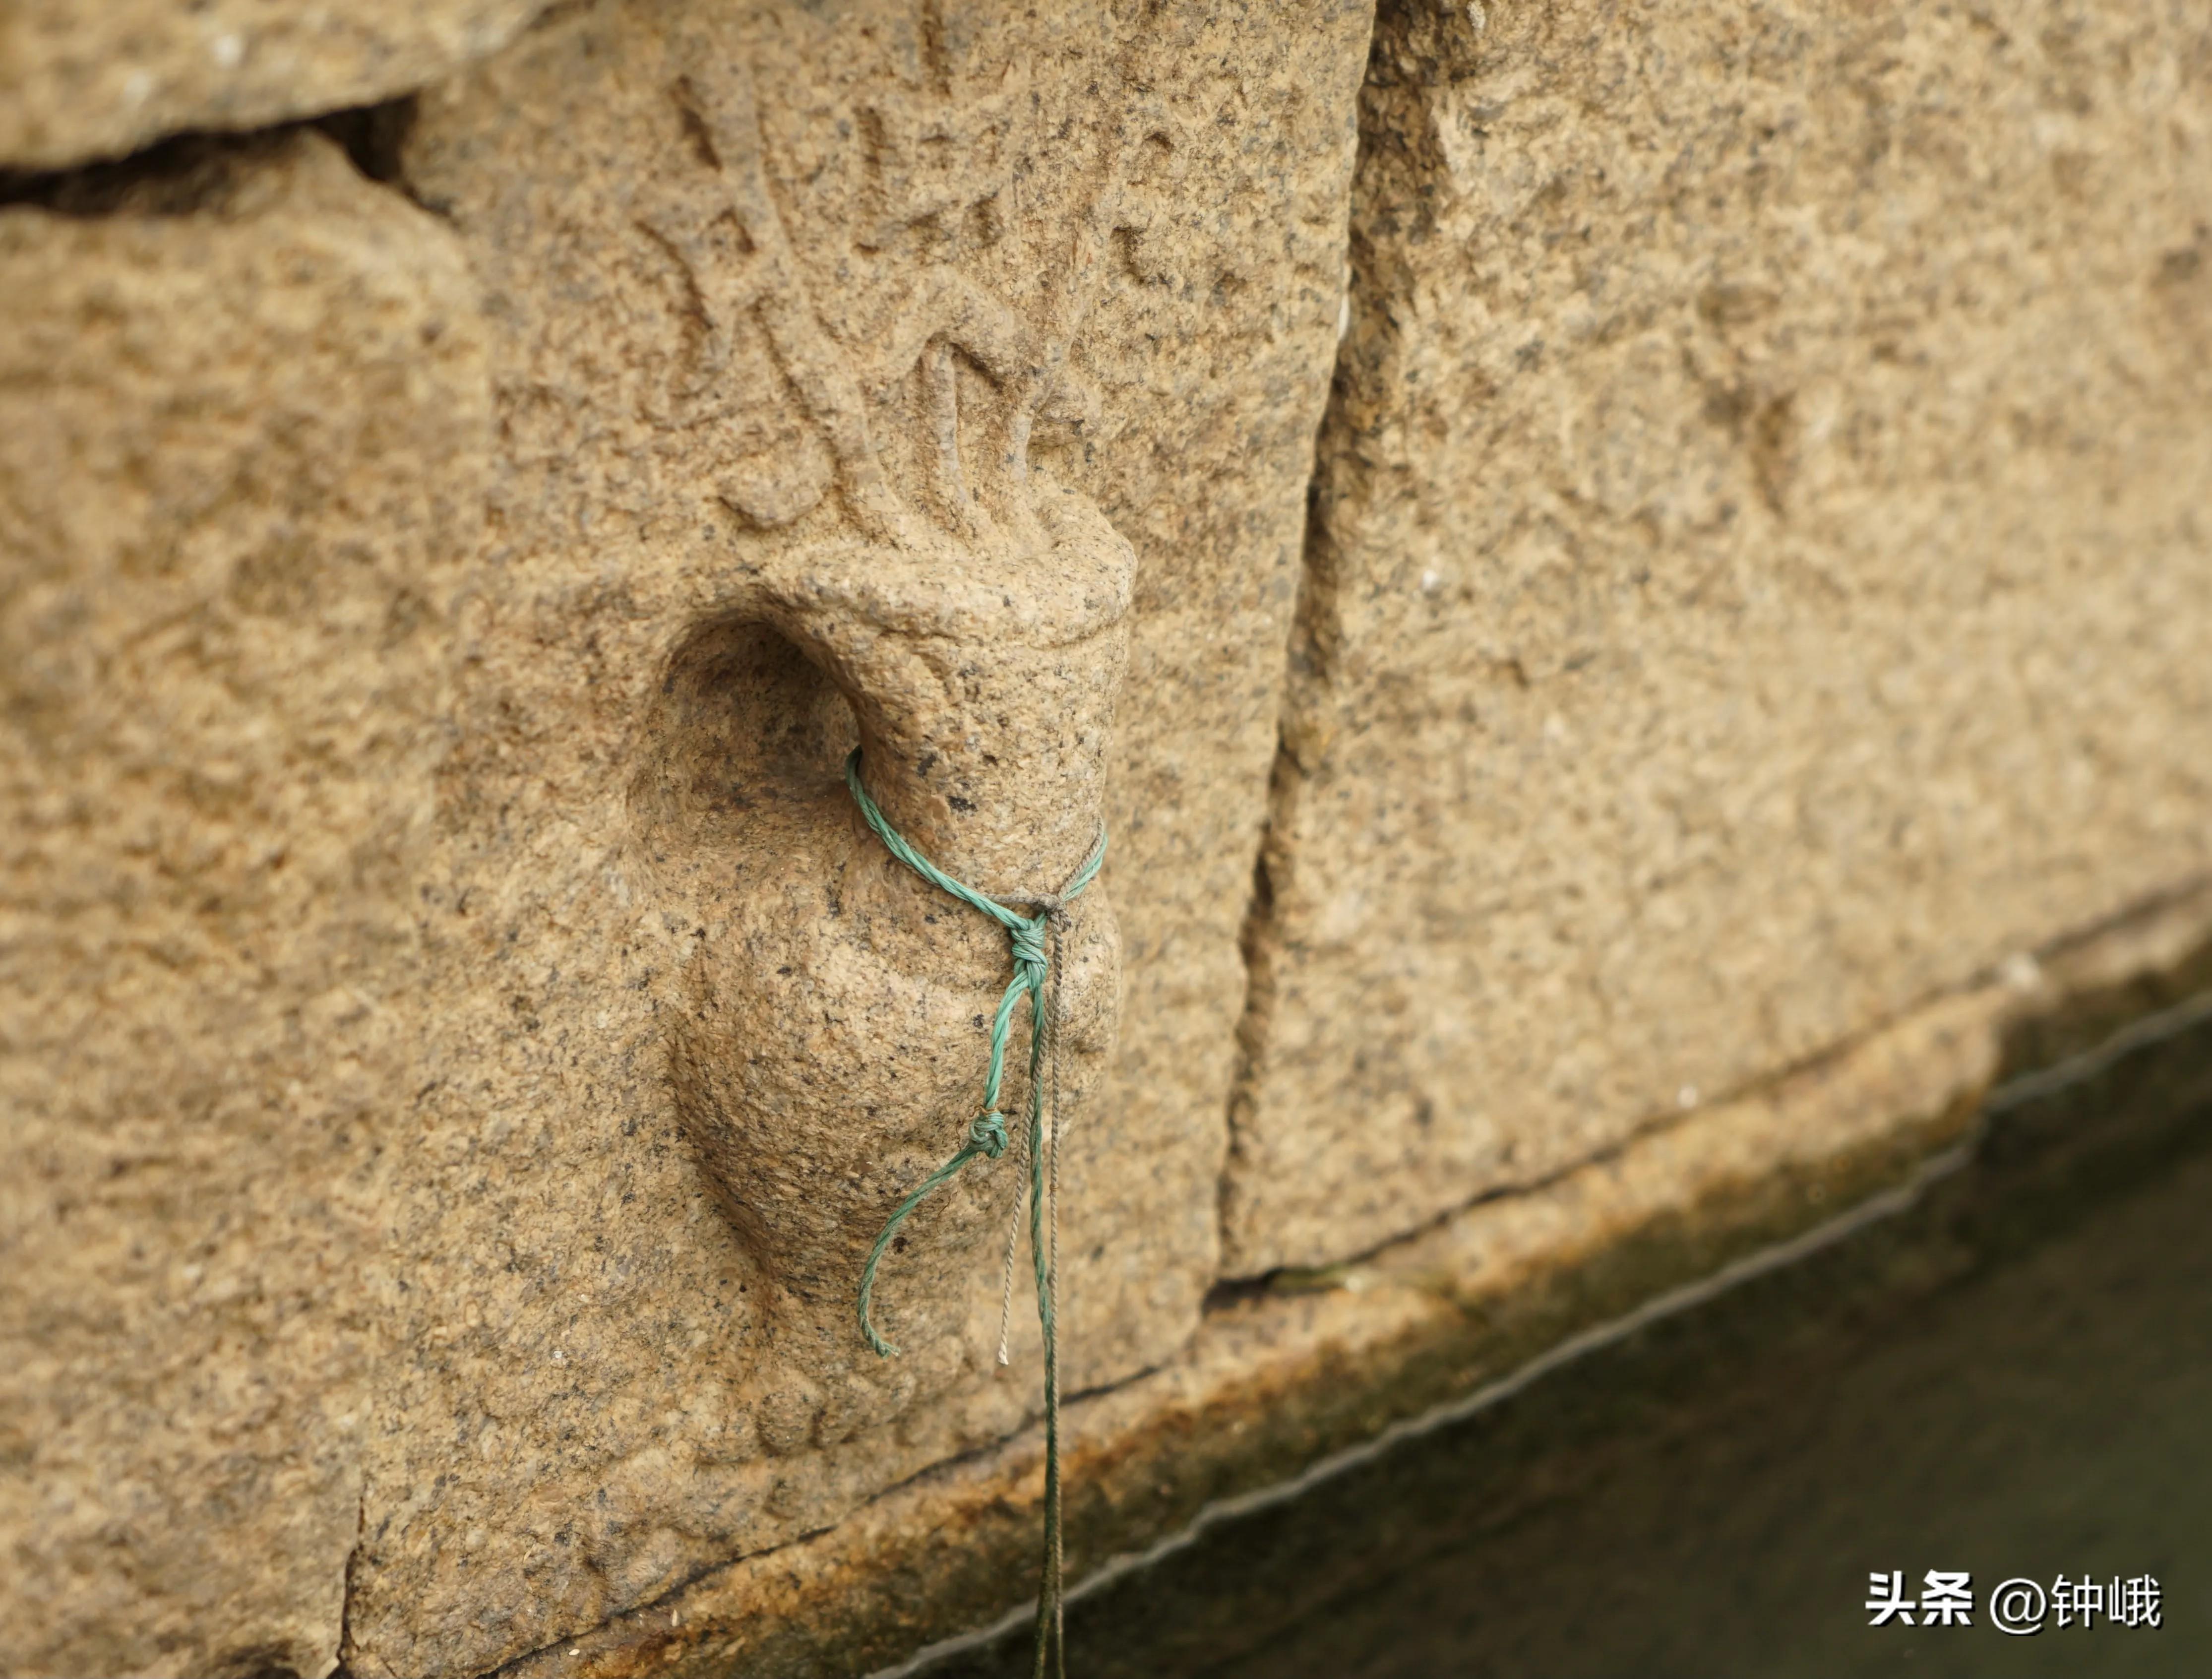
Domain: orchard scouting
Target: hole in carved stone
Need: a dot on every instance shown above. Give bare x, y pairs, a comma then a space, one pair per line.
745, 742
742, 752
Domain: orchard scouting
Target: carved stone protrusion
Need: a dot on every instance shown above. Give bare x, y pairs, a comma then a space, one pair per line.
955, 610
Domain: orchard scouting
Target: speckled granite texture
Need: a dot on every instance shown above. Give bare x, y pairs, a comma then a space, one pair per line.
1608, 764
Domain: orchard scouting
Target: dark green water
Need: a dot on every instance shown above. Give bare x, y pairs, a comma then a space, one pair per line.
2013, 1378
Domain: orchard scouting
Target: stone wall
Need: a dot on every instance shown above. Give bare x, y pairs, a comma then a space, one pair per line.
468, 476
1758, 576
226, 656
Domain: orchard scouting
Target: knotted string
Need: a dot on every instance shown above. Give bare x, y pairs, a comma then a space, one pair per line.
1036, 943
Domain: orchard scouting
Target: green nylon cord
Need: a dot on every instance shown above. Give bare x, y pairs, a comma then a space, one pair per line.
1034, 965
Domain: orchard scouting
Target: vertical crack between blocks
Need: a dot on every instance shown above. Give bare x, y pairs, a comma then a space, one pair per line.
1309, 657
1256, 945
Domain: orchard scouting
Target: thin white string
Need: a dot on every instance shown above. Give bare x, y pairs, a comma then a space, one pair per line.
1052, 1237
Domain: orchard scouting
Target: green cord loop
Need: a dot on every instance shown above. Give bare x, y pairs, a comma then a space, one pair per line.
1028, 936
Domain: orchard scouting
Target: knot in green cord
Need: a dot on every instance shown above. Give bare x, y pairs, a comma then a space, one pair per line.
987, 1131
1027, 940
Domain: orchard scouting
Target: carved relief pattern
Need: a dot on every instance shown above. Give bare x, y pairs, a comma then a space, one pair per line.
939, 160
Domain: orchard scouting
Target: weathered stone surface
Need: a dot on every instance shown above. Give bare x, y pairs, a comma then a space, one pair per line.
466, 1041
1279, 1378
84, 80
845, 360
1761, 574
243, 418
